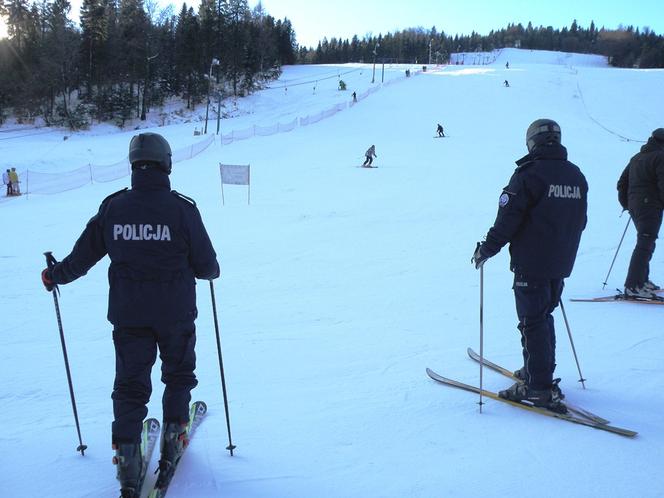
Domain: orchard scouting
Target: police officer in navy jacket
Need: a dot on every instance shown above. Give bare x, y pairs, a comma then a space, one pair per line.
158, 246
541, 214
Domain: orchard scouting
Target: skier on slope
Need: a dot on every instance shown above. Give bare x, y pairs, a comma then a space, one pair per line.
541, 214
369, 155
13, 176
8, 182
440, 131
157, 245
641, 190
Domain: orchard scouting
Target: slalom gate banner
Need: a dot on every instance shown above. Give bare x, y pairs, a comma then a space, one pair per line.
235, 174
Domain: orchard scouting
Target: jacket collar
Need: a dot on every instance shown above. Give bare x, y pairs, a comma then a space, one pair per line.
544, 152
149, 179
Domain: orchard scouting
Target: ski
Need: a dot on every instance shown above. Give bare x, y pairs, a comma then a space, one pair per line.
619, 298
525, 406
196, 414
509, 374
149, 437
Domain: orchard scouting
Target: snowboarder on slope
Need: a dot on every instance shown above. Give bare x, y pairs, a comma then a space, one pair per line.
369, 155
541, 214
440, 131
641, 190
157, 245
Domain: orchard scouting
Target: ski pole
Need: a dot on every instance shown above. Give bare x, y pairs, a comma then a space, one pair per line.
50, 261
629, 218
230, 446
571, 341
481, 332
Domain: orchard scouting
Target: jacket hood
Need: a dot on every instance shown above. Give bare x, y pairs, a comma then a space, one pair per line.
652, 145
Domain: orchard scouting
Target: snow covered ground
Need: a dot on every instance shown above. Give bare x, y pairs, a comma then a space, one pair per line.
340, 285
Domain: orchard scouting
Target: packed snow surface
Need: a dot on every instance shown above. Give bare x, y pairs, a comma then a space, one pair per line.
340, 285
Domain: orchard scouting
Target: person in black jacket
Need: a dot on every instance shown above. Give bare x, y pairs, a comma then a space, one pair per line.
368, 157
641, 190
158, 246
541, 214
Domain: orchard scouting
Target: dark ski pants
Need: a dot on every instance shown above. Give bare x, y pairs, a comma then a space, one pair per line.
367, 161
135, 354
536, 298
647, 222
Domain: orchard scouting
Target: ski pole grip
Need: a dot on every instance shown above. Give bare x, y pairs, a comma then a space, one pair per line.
50, 259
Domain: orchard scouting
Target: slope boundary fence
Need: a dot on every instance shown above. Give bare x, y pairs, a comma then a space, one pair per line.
37, 182
264, 131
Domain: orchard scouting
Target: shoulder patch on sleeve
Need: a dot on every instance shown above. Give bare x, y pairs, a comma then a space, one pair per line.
184, 197
505, 196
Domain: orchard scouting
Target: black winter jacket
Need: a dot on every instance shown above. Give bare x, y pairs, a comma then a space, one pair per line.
641, 183
541, 213
157, 245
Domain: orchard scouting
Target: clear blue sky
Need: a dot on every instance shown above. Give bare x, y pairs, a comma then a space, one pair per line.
315, 19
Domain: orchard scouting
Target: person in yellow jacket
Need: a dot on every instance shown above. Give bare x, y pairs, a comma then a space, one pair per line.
13, 177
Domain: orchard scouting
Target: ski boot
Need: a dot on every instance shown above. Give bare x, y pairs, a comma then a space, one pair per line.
649, 285
129, 468
640, 292
174, 440
550, 399
520, 375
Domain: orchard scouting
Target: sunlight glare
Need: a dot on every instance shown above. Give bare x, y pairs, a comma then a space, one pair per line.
3, 28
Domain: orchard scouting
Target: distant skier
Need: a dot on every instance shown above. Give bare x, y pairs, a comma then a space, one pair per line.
641, 190
507, 65
7, 181
440, 131
541, 214
13, 176
157, 245
506, 83
369, 155
354, 97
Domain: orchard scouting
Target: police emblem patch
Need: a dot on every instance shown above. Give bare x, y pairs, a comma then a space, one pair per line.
504, 199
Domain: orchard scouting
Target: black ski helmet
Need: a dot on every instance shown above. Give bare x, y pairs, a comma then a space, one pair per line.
150, 148
542, 131
658, 134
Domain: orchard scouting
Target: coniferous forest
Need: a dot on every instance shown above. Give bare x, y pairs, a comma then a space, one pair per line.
625, 47
126, 57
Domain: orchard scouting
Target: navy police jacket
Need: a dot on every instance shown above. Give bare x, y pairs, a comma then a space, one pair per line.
541, 214
157, 245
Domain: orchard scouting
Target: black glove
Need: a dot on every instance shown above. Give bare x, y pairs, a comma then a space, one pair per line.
478, 258
47, 280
